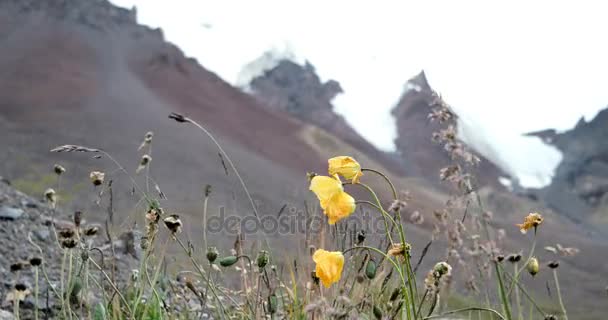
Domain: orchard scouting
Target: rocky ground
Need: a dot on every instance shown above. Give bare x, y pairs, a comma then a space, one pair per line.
26, 234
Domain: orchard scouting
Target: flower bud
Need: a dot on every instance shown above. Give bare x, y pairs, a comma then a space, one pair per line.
370, 269
262, 259
533, 266
228, 261
212, 254
377, 312
514, 257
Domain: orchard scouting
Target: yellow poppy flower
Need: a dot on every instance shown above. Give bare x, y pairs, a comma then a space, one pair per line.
336, 203
329, 266
533, 220
345, 166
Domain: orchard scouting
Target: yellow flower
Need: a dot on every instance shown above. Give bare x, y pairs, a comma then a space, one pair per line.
336, 203
533, 220
329, 266
345, 166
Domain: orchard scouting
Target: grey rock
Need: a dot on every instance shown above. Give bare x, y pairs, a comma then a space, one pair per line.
9, 213
42, 234
5, 315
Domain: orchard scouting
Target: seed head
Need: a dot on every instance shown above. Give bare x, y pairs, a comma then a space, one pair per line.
20, 287
143, 163
67, 233
360, 237
17, 266
97, 177
514, 257
58, 169
35, 261
442, 268
68, 243
399, 249
50, 195
91, 231
553, 264
173, 223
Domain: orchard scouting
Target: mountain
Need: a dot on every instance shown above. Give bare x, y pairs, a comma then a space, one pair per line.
415, 132
85, 72
580, 185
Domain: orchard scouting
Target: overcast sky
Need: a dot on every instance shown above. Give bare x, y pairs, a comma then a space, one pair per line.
507, 69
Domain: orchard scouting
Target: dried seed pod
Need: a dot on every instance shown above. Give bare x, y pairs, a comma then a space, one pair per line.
97, 177
58, 169
67, 233
173, 223
68, 243
20, 287
35, 261
228, 261
91, 231
553, 264
360, 237
514, 257
17, 266
50, 195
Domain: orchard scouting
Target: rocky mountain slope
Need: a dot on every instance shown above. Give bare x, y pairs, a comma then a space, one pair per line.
580, 185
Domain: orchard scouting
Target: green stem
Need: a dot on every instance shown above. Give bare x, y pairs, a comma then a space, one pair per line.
520, 315
36, 293
523, 290
503, 295
395, 196
559, 294
516, 276
466, 309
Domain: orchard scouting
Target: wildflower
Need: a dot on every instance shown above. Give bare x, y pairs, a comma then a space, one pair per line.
18, 294
336, 203
329, 266
533, 220
533, 266
442, 268
345, 166
58, 169
97, 177
143, 163
399, 249
173, 223
567, 251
